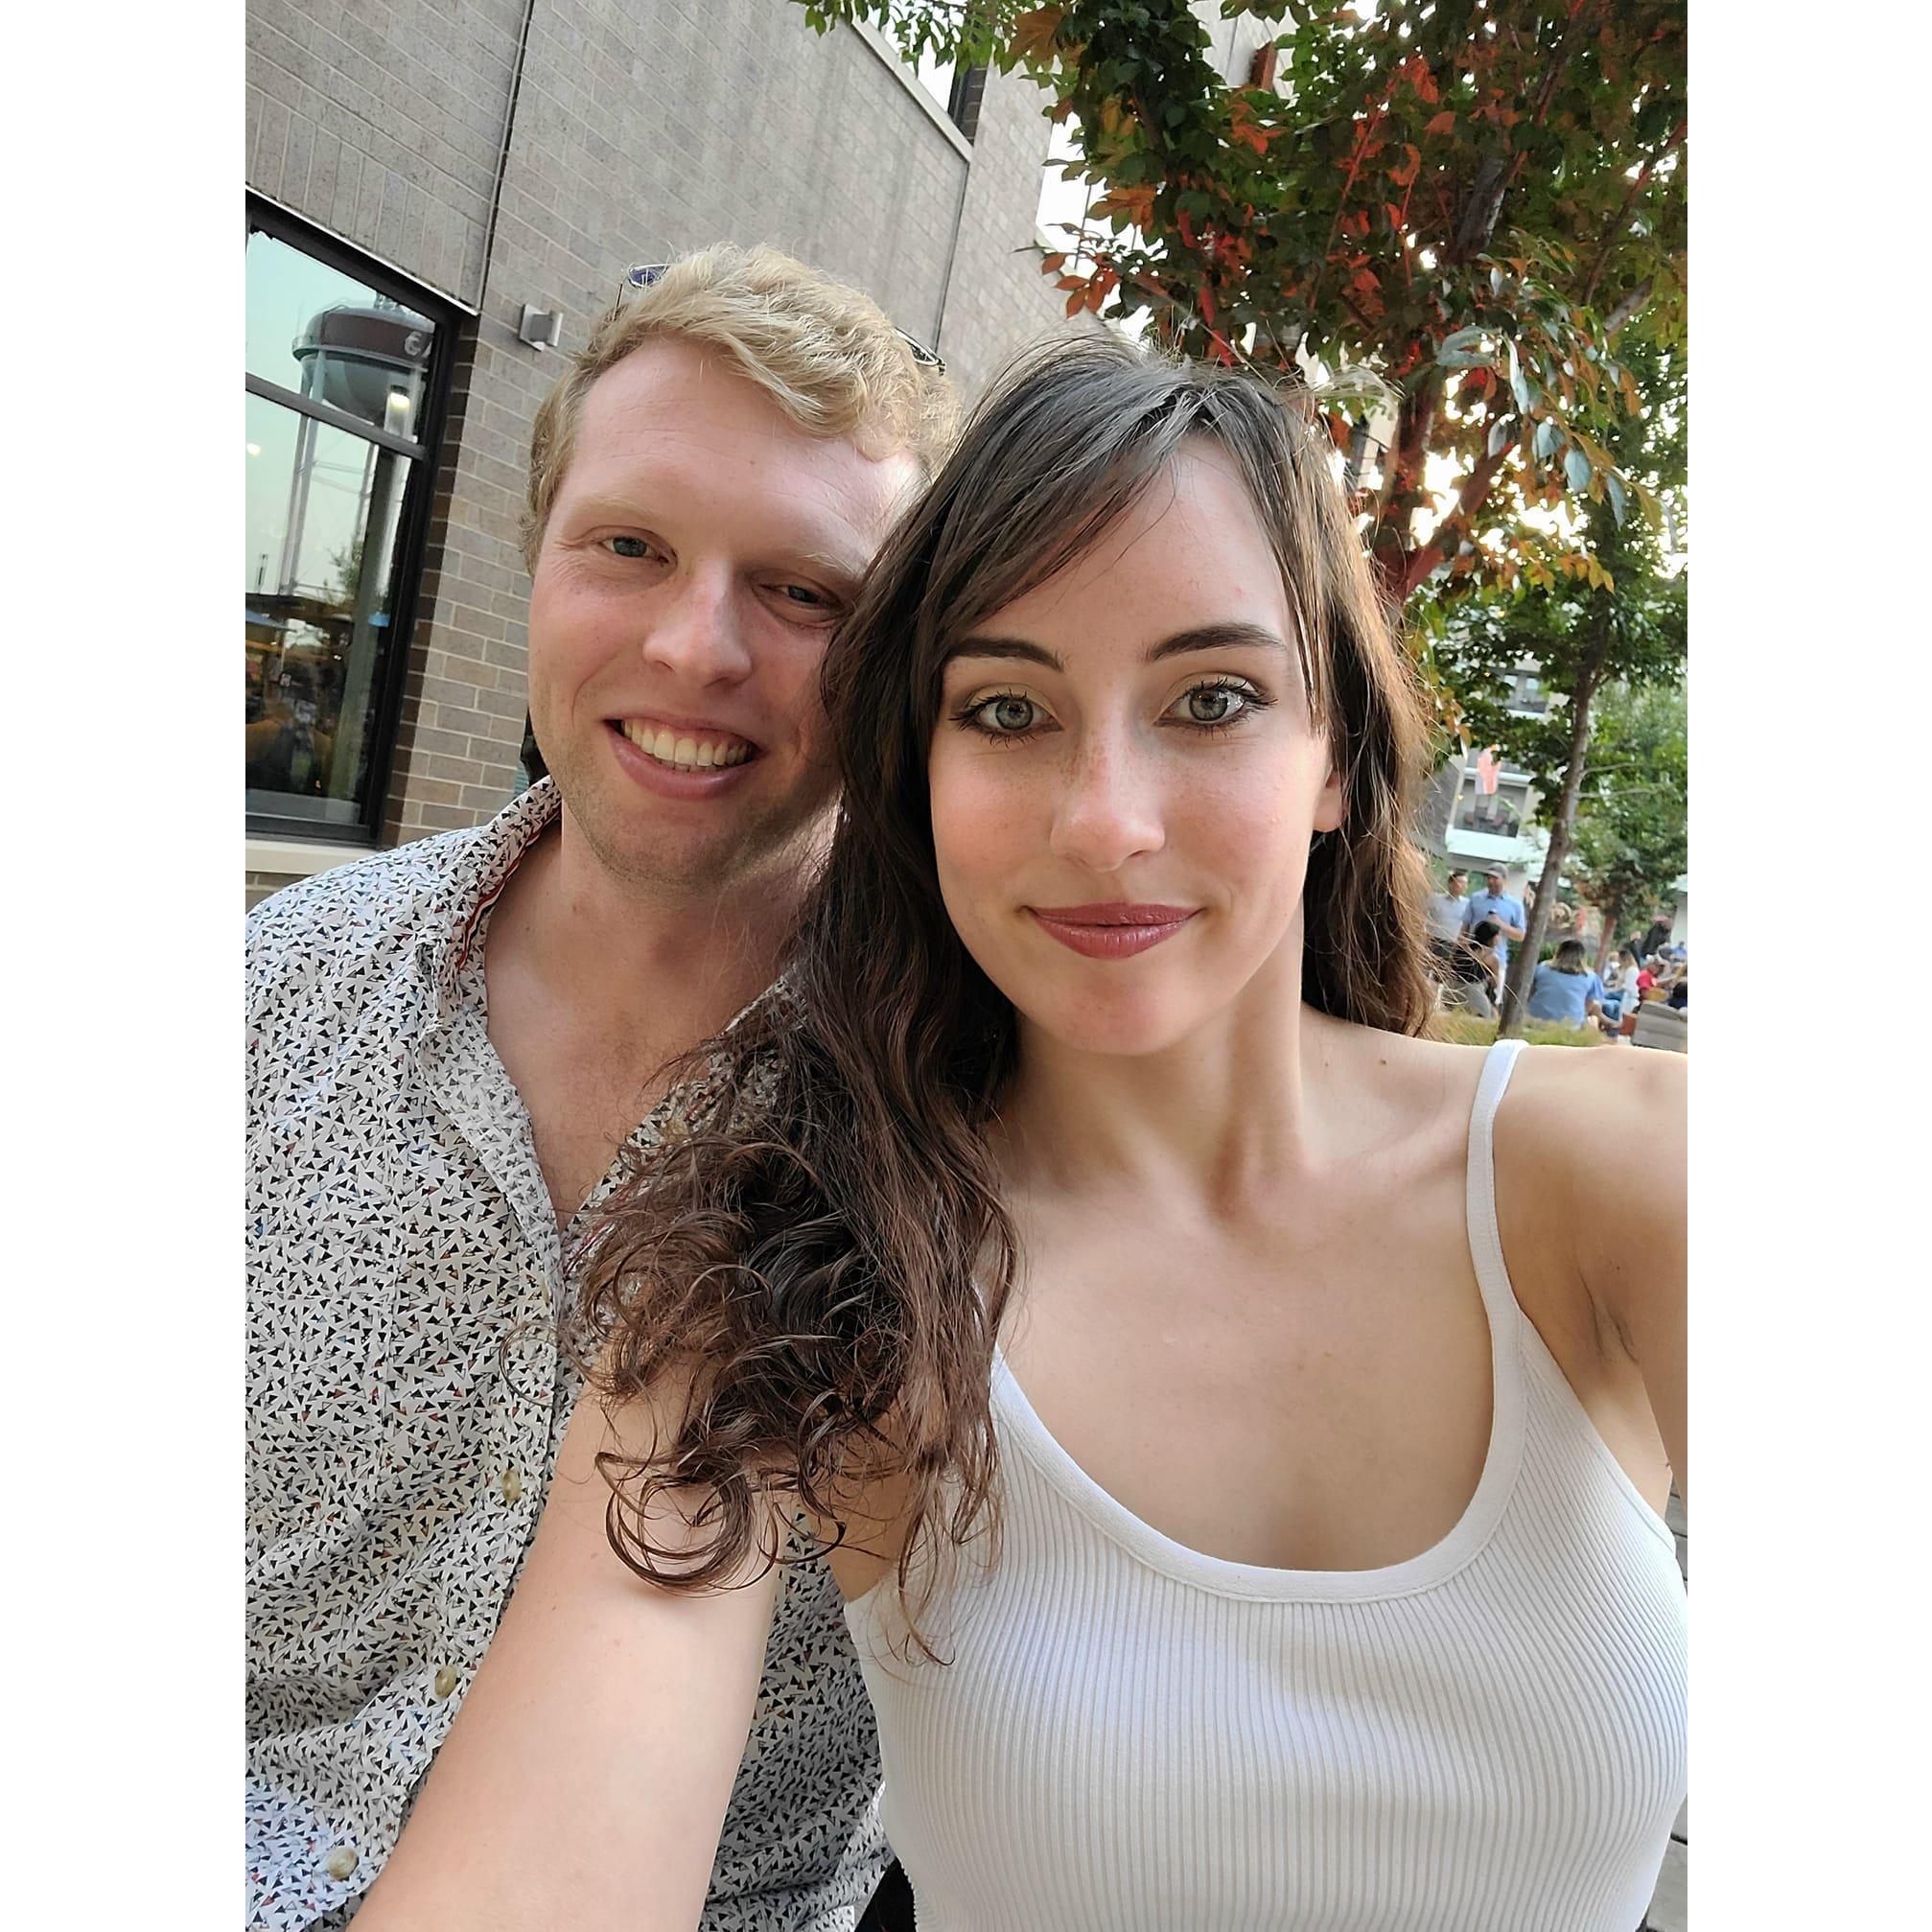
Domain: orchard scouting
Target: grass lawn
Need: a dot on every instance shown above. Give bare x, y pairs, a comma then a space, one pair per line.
1466, 1030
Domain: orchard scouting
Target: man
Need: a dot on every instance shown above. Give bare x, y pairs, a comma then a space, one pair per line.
452, 1044
1505, 912
1444, 912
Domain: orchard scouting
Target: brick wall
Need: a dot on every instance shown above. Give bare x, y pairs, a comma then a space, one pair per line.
997, 301
382, 121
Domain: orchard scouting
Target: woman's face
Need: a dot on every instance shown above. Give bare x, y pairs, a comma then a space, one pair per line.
1124, 779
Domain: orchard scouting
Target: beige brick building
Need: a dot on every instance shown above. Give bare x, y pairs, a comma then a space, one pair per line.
427, 170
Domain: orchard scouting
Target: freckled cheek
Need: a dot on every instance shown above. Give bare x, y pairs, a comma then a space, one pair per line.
988, 831
1246, 828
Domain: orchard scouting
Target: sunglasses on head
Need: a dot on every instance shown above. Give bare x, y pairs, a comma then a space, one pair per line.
645, 273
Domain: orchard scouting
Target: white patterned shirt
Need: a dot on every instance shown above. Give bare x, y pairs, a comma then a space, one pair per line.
406, 1398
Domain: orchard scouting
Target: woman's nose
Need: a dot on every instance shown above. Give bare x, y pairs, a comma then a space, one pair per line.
1108, 807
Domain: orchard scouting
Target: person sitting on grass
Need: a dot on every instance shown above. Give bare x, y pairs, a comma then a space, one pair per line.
1564, 990
1620, 987
1478, 969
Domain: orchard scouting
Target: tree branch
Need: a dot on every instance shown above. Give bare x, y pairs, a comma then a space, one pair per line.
1616, 228
1626, 308
1469, 499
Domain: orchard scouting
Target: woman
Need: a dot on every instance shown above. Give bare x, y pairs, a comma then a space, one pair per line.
1564, 990
1090, 1247
1478, 970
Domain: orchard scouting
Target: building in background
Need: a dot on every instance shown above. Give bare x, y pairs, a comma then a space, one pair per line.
1480, 810
440, 199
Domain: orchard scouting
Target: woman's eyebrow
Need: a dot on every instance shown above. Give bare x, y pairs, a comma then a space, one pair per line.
1198, 638
1005, 647
1219, 637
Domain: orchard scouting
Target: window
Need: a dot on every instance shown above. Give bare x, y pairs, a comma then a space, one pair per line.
344, 396
956, 89
1490, 813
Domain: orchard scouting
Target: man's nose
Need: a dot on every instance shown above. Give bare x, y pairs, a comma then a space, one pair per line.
694, 629
1108, 807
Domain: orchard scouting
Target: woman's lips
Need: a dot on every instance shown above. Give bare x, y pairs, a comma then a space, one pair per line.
1112, 931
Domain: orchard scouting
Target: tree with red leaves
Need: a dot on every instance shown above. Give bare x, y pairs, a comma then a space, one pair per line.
1455, 206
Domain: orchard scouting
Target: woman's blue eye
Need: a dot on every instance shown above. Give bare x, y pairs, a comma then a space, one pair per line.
1215, 704
1009, 715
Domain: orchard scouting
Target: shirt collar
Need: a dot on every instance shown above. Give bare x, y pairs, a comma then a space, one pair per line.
473, 885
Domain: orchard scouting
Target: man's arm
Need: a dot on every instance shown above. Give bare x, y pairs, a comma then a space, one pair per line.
1521, 930
585, 1779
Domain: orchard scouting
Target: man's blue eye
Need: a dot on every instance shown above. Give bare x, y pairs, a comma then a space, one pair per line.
637, 547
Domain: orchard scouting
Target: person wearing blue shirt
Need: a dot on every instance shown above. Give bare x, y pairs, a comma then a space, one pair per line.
1494, 903
1564, 990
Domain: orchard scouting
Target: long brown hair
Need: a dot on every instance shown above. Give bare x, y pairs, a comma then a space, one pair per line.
822, 1254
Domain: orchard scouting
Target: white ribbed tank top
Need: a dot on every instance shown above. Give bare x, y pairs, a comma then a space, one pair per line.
1486, 1737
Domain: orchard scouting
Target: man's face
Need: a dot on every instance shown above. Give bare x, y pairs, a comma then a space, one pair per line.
1458, 885
1493, 881
699, 551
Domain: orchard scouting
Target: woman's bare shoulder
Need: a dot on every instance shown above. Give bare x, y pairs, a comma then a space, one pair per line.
1592, 1145
1565, 1098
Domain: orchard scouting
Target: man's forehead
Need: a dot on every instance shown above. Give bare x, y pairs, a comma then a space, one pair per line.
678, 436
675, 394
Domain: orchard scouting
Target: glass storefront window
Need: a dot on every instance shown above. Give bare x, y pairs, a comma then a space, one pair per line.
328, 564
321, 334
322, 511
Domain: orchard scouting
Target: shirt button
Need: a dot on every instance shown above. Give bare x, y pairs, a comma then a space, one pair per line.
341, 1861
446, 1681
512, 1484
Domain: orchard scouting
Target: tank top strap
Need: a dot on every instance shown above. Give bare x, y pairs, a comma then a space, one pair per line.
1485, 1233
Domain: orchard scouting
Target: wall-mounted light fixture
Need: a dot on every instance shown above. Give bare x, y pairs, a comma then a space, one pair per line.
540, 328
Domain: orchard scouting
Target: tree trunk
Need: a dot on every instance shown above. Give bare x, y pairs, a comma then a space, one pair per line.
1612, 913
1562, 828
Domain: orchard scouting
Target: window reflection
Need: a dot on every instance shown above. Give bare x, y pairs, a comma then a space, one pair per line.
322, 511
321, 334
1493, 814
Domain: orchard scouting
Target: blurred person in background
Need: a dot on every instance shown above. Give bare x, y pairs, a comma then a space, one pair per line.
1444, 910
1502, 909
1564, 990
1478, 968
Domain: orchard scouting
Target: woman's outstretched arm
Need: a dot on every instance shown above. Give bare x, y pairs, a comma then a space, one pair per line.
585, 1780
1591, 1161
1630, 1228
